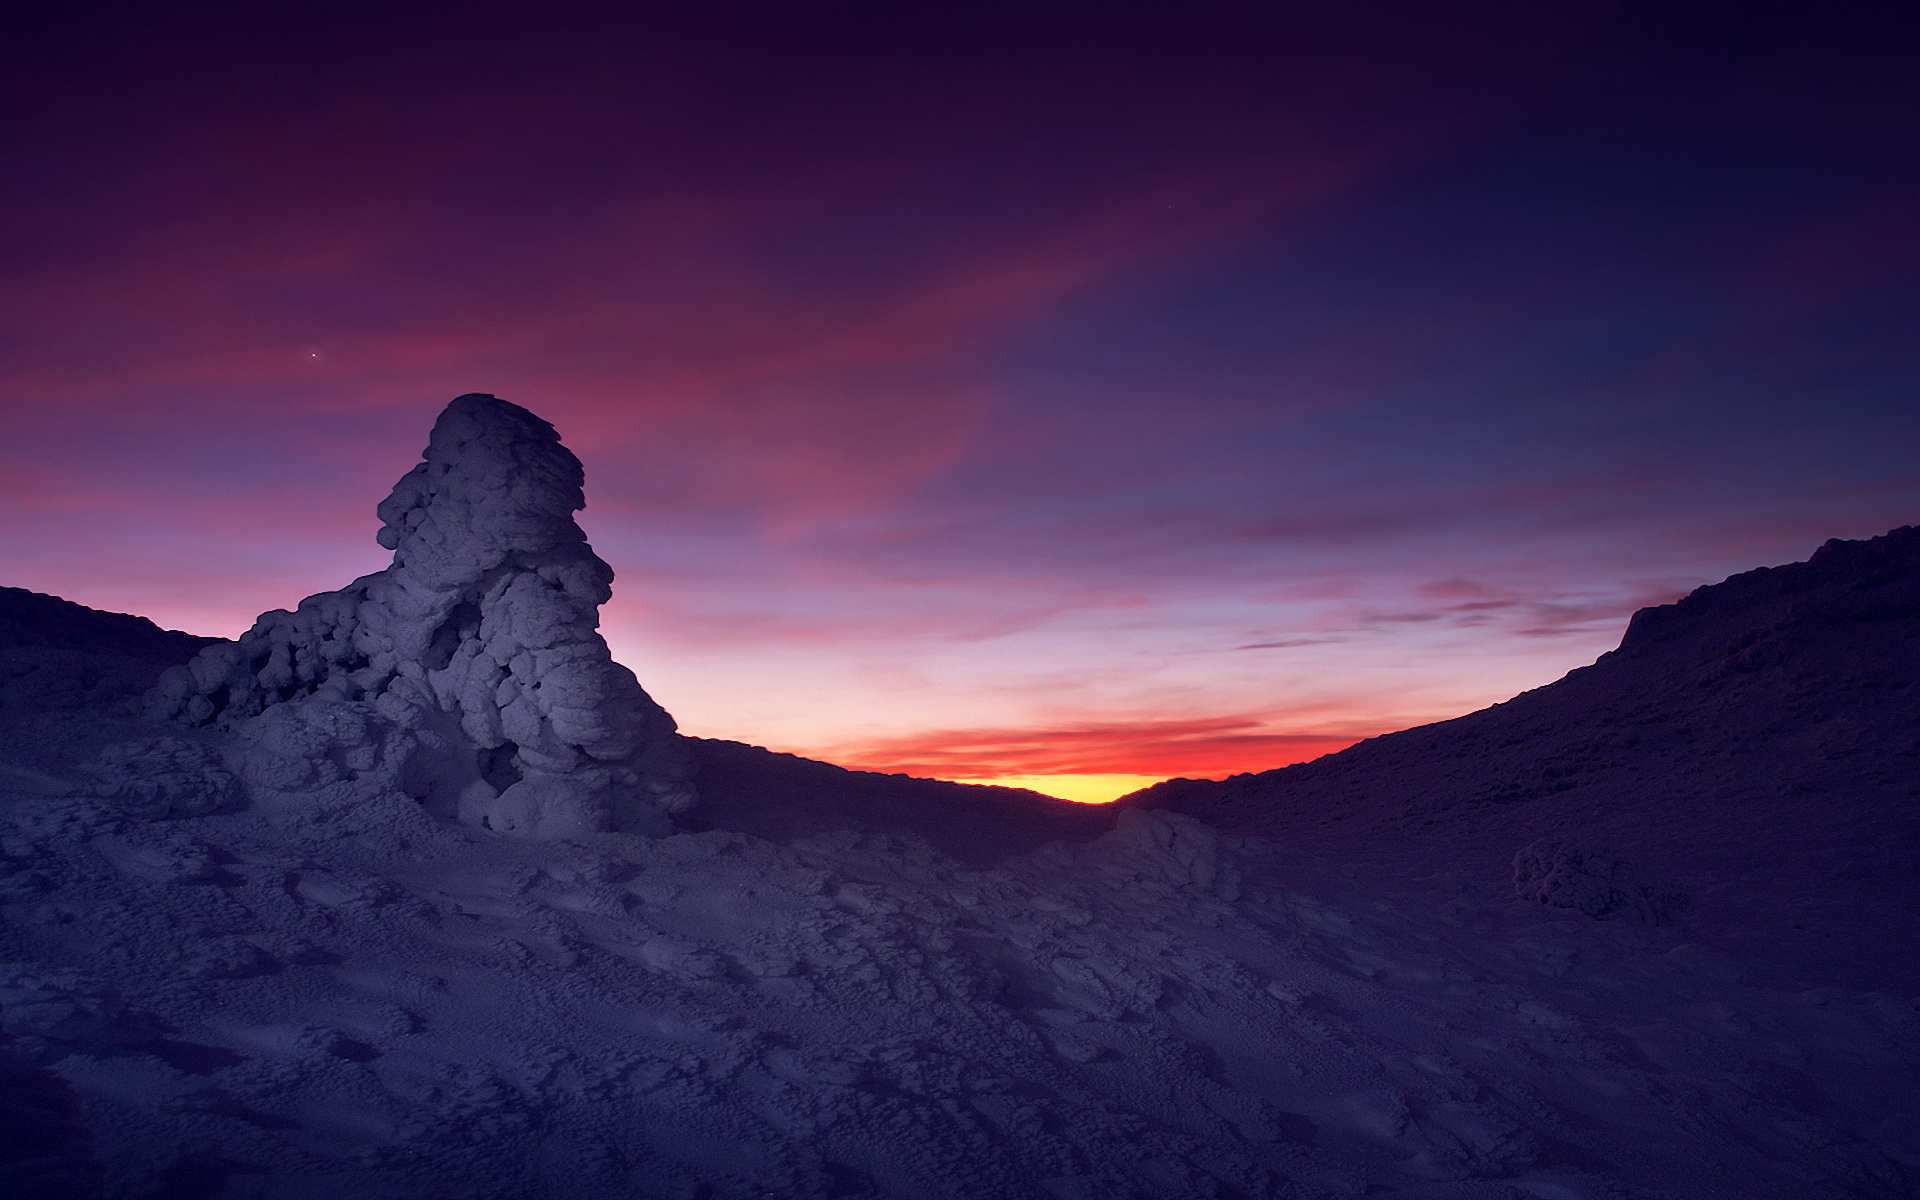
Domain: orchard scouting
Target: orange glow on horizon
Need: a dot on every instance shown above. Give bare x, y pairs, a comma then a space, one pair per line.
1078, 789
1105, 758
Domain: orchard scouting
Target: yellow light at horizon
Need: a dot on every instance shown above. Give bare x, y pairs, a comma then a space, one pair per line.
1080, 789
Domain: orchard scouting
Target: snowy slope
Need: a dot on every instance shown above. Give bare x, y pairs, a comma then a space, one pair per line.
1756, 745
225, 971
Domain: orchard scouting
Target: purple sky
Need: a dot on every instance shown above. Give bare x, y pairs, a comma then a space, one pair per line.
1086, 391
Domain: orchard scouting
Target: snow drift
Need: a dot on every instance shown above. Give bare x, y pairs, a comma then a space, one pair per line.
254, 942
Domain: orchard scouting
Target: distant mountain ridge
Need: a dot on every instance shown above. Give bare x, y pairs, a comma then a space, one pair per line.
1763, 731
58, 654
782, 797
37, 619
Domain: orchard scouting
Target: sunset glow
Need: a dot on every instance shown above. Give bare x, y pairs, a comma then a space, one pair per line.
1081, 789
1022, 399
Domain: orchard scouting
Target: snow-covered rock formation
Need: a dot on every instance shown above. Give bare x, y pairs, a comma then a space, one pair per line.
470, 673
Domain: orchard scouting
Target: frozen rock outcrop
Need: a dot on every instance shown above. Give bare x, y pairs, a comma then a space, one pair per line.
470, 672
1596, 882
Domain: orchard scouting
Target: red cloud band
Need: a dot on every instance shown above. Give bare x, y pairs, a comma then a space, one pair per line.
1211, 746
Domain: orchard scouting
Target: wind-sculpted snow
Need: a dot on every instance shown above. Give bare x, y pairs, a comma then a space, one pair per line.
469, 673
351, 998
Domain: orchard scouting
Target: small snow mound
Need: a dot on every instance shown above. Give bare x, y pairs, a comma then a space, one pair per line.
1596, 882
167, 777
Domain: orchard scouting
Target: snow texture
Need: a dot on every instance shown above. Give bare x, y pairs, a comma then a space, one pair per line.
470, 673
1596, 882
311, 983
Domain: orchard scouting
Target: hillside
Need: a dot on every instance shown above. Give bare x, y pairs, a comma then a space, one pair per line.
783, 798
1757, 743
55, 654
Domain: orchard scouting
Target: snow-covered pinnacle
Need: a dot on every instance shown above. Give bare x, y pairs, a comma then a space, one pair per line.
495, 482
470, 672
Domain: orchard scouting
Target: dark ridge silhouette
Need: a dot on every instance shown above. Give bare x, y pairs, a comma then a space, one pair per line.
35, 619
782, 797
1760, 738
55, 654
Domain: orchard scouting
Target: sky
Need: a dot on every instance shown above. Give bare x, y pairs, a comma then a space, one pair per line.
1068, 394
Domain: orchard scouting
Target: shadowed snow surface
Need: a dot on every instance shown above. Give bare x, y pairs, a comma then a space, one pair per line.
1483, 981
